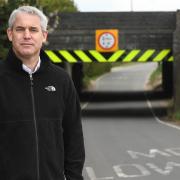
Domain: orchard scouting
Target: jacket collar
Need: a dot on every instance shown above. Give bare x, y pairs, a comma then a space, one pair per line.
16, 64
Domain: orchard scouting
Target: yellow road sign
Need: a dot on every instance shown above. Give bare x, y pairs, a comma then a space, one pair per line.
106, 40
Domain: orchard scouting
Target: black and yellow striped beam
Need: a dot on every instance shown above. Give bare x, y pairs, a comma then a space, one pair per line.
88, 56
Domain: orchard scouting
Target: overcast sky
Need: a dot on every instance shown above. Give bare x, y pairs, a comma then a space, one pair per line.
127, 5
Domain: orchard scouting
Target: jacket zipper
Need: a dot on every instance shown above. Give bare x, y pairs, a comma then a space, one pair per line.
35, 126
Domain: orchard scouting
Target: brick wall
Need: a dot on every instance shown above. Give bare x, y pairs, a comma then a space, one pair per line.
136, 29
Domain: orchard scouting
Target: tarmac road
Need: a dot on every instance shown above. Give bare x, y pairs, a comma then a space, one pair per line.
123, 138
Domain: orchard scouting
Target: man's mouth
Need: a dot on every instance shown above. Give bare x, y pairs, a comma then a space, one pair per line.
26, 44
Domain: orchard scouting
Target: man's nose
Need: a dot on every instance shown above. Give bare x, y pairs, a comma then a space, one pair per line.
27, 34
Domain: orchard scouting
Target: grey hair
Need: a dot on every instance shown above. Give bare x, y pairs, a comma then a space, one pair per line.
29, 10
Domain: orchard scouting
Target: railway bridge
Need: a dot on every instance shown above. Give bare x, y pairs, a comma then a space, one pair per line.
141, 36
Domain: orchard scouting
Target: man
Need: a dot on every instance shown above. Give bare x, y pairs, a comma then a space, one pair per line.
40, 128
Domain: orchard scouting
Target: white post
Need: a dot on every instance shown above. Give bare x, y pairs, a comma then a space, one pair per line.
131, 4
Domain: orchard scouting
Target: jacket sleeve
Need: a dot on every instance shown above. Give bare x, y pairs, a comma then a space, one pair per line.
73, 136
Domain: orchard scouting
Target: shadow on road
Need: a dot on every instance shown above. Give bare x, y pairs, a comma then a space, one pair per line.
124, 112
128, 104
122, 96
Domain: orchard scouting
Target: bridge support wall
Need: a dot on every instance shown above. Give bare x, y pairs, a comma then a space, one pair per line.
167, 78
176, 64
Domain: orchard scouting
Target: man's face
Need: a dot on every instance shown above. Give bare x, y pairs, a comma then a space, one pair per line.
26, 35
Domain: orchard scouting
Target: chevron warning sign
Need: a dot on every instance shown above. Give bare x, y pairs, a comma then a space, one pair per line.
88, 56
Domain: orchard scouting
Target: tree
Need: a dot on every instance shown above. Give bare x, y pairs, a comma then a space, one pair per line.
58, 5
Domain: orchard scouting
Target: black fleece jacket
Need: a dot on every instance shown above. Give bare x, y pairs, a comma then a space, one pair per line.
40, 126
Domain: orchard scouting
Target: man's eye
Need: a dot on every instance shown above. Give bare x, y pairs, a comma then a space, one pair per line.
19, 29
34, 30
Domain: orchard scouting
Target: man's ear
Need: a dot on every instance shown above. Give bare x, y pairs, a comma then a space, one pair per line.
45, 35
9, 34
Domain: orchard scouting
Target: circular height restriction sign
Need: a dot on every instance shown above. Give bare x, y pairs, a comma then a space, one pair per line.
107, 40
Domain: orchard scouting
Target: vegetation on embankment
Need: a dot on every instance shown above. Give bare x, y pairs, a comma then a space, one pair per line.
155, 80
92, 71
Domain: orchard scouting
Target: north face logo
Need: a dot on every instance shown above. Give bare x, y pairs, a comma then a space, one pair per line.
50, 88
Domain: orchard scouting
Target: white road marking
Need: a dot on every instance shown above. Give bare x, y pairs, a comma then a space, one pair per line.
92, 175
167, 170
84, 105
119, 171
152, 154
157, 119
136, 170
174, 151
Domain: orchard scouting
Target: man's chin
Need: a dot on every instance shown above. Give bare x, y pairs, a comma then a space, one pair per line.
25, 53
